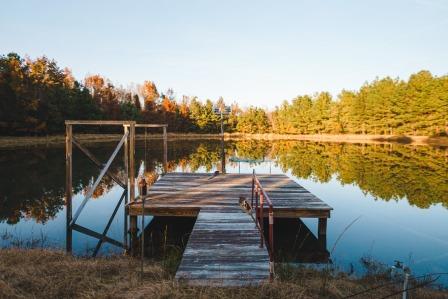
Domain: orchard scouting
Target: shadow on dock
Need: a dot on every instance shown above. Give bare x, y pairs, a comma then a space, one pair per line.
166, 237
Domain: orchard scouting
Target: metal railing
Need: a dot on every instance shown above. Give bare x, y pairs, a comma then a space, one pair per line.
259, 196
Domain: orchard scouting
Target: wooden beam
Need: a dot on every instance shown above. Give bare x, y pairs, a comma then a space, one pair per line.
68, 185
151, 125
98, 179
100, 122
126, 175
132, 219
106, 229
136, 210
132, 162
96, 161
96, 235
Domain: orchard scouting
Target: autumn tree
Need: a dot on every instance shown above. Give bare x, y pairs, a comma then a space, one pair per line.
253, 120
150, 95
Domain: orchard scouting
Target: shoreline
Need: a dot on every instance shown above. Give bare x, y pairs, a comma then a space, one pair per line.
33, 141
43, 273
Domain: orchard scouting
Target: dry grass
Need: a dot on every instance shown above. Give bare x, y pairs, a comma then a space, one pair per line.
51, 274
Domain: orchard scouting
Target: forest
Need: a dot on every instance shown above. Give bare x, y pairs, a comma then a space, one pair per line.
36, 96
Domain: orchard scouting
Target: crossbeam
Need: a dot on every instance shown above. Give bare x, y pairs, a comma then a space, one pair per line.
96, 235
128, 140
98, 179
100, 122
96, 161
100, 241
148, 125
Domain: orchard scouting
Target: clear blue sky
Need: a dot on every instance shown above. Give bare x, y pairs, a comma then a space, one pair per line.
251, 52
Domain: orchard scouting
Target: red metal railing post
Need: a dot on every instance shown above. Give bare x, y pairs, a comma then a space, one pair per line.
256, 205
260, 198
271, 241
253, 188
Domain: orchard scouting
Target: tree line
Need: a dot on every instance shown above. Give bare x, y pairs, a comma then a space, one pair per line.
37, 96
418, 106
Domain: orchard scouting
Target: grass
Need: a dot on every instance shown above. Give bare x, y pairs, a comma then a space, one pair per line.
42, 273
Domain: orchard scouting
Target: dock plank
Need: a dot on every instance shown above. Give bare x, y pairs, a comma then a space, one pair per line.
187, 193
223, 250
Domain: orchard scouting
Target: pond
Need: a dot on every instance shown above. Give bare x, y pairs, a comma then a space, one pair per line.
390, 201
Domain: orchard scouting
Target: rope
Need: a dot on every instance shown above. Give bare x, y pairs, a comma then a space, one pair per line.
143, 213
395, 282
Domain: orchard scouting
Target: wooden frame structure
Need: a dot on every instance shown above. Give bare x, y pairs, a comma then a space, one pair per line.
127, 141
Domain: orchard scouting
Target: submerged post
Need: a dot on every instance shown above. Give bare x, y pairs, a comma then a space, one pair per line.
68, 185
165, 150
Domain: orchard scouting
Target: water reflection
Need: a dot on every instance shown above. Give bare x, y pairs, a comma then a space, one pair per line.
401, 190
34, 184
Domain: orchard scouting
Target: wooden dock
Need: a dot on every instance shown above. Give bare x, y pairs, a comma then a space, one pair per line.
224, 246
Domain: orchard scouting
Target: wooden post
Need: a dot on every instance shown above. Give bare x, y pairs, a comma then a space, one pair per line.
261, 220
271, 230
223, 156
322, 232
143, 191
271, 243
132, 162
133, 219
68, 185
126, 197
165, 150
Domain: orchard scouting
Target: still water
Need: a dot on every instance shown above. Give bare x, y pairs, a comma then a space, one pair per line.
394, 196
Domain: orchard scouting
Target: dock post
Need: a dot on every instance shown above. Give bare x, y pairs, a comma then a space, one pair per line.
223, 156
68, 185
271, 243
132, 161
165, 151
126, 197
322, 232
261, 220
133, 219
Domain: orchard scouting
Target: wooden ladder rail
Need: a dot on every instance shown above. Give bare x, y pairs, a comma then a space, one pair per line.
259, 196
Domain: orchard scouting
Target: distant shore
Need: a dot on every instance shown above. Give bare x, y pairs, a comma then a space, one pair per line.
31, 141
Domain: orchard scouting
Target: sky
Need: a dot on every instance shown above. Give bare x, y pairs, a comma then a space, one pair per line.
250, 52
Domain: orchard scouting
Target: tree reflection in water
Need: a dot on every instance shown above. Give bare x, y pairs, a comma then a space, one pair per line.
33, 180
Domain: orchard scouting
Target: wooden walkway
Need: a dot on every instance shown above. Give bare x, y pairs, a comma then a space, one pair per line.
224, 250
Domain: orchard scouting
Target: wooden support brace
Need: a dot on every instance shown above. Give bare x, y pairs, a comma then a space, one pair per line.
102, 173
68, 185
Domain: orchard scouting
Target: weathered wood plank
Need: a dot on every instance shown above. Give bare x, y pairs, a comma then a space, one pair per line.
223, 250
184, 194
